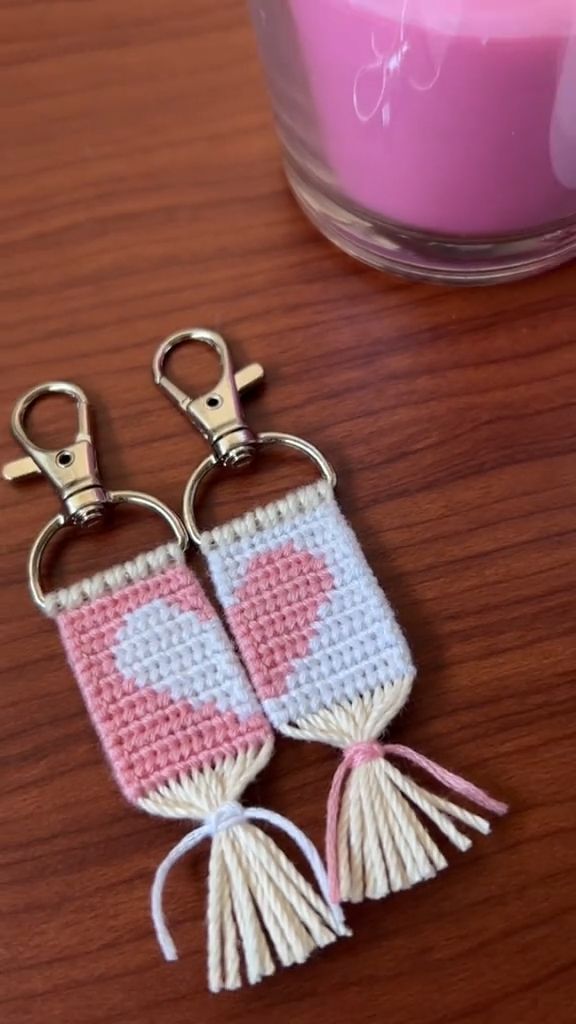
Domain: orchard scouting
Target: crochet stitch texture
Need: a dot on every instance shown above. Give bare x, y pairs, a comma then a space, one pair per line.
185, 734
330, 664
312, 624
160, 680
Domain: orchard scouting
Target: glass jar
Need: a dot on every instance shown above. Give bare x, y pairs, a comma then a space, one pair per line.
434, 138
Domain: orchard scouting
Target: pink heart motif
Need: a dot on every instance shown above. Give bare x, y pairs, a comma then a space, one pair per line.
275, 612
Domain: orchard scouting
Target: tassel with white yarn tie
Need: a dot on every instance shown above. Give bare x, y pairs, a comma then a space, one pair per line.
185, 736
269, 891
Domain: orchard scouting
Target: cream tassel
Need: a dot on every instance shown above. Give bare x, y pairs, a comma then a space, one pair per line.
375, 842
261, 911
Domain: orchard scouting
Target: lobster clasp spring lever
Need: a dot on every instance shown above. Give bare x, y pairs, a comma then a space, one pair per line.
218, 413
73, 470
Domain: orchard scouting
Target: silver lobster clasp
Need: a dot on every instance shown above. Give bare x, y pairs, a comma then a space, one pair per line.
218, 413
72, 470
218, 417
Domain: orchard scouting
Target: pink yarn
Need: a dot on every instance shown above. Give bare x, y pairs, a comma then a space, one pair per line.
362, 753
153, 732
274, 617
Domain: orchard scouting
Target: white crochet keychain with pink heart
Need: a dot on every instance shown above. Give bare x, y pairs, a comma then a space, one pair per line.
323, 651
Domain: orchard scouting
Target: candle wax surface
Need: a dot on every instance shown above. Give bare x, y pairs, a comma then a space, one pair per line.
452, 116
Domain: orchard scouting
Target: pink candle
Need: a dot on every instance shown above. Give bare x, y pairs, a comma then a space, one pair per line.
453, 116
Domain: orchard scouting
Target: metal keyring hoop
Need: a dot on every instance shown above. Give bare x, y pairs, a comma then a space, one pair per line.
212, 462
60, 521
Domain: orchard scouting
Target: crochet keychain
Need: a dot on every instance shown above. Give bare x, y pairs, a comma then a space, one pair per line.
324, 653
181, 727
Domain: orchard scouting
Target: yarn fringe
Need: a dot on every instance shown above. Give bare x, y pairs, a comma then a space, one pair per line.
262, 913
261, 905
376, 842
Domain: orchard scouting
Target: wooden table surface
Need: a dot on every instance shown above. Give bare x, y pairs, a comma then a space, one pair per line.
142, 193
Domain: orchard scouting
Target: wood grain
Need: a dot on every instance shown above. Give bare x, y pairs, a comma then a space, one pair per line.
142, 193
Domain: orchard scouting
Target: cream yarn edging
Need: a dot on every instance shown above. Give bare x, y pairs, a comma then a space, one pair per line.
108, 582
304, 499
356, 720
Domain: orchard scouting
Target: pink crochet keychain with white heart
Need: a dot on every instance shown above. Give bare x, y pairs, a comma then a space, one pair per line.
181, 727
325, 654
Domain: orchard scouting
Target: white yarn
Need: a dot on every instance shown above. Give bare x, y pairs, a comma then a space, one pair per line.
251, 881
224, 818
353, 646
104, 583
261, 910
169, 650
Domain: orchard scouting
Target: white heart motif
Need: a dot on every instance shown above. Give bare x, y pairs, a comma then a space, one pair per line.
175, 652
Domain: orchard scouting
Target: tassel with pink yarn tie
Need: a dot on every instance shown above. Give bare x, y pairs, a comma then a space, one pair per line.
421, 856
